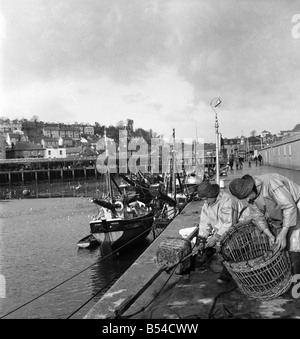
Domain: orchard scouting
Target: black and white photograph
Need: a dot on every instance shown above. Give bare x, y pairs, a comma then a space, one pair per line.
149, 162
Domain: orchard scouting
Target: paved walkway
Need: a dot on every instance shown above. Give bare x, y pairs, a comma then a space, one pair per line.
257, 170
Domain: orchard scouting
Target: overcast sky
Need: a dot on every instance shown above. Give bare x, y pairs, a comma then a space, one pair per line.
158, 62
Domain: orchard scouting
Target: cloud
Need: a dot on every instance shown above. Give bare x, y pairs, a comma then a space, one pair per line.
158, 62
88, 37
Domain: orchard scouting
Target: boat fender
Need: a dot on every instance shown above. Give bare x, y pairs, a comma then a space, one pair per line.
119, 206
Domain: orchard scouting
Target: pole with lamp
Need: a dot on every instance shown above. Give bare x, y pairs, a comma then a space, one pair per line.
213, 104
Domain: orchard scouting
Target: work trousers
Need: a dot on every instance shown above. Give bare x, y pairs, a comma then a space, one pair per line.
295, 262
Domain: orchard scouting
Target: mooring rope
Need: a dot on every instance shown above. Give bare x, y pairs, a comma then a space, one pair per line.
72, 277
168, 268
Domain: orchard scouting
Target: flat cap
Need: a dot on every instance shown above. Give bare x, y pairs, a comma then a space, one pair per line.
242, 187
208, 190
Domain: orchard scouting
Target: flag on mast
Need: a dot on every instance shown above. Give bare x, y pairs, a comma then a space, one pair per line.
8, 141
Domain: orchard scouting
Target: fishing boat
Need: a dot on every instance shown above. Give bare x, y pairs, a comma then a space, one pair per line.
137, 187
120, 222
119, 226
170, 193
88, 241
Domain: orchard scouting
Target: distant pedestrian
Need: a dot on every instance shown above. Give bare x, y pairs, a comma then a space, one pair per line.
241, 160
231, 162
259, 159
236, 162
255, 159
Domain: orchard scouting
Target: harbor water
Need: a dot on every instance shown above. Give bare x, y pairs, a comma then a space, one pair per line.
46, 274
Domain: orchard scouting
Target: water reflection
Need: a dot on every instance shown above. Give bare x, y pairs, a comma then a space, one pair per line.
43, 266
114, 264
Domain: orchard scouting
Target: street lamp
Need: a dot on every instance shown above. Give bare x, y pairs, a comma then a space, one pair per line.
213, 104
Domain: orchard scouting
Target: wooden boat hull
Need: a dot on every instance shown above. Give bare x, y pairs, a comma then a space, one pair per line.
121, 232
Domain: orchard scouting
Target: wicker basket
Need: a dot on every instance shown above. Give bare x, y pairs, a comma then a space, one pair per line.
172, 251
260, 272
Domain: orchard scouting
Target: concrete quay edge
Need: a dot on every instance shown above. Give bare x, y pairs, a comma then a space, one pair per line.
143, 270
193, 294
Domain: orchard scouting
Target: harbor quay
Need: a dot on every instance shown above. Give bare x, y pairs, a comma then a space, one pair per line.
146, 291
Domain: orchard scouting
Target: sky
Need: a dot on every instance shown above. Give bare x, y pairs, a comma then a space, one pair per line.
160, 63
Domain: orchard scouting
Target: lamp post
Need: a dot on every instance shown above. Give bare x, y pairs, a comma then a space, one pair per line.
213, 104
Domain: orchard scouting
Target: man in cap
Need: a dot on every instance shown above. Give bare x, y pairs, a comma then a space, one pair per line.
220, 211
278, 198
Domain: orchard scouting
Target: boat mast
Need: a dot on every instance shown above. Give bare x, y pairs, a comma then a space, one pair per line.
195, 150
173, 168
108, 182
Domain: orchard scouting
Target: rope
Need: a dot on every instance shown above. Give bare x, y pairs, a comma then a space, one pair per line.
65, 281
167, 269
144, 308
115, 251
51, 289
211, 312
149, 189
93, 296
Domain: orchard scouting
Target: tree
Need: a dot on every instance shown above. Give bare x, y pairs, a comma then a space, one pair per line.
296, 128
36, 122
129, 125
121, 124
33, 128
35, 119
253, 133
5, 120
112, 132
99, 130
141, 133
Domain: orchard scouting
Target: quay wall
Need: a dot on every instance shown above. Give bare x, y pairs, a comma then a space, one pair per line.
143, 273
23, 177
284, 153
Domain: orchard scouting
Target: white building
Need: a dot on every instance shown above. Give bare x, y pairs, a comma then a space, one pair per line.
57, 153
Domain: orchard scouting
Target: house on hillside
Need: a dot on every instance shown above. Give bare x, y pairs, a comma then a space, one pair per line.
51, 131
74, 152
49, 142
72, 132
10, 127
12, 138
58, 153
284, 134
66, 142
254, 143
56, 131
89, 151
25, 149
232, 146
265, 134
89, 130
2, 147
